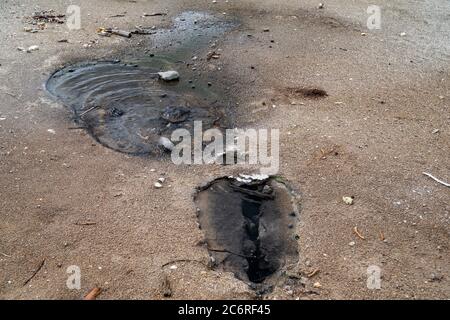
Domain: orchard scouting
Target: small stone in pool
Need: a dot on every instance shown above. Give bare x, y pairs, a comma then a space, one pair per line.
169, 75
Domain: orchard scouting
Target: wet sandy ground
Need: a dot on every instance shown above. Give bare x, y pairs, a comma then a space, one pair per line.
385, 121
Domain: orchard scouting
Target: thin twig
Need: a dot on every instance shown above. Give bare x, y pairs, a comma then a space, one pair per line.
6, 255
184, 260
35, 272
154, 14
313, 273
11, 95
85, 223
230, 252
355, 230
436, 179
93, 294
88, 110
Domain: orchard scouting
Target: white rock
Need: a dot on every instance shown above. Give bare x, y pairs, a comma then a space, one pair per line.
166, 143
169, 75
158, 185
162, 180
51, 131
347, 200
32, 48
352, 243
173, 267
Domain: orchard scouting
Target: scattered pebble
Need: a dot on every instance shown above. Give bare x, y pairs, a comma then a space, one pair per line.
352, 243
317, 285
169, 75
321, 6
158, 185
32, 48
51, 131
348, 200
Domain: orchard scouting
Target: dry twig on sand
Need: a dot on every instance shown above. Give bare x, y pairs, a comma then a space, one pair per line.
35, 272
313, 273
85, 223
184, 260
93, 294
355, 230
436, 179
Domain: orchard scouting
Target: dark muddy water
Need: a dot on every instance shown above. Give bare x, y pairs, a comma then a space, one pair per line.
127, 108
249, 226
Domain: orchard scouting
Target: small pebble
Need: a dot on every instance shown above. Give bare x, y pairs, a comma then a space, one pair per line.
348, 200
33, 48
158, 185
169, 75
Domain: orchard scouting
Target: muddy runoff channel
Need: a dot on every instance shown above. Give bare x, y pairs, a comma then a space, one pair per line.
248, 221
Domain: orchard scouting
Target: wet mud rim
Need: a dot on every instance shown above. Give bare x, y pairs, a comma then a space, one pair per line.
249, 224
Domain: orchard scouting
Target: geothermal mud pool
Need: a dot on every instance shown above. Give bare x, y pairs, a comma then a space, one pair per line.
127, 108
249, 225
